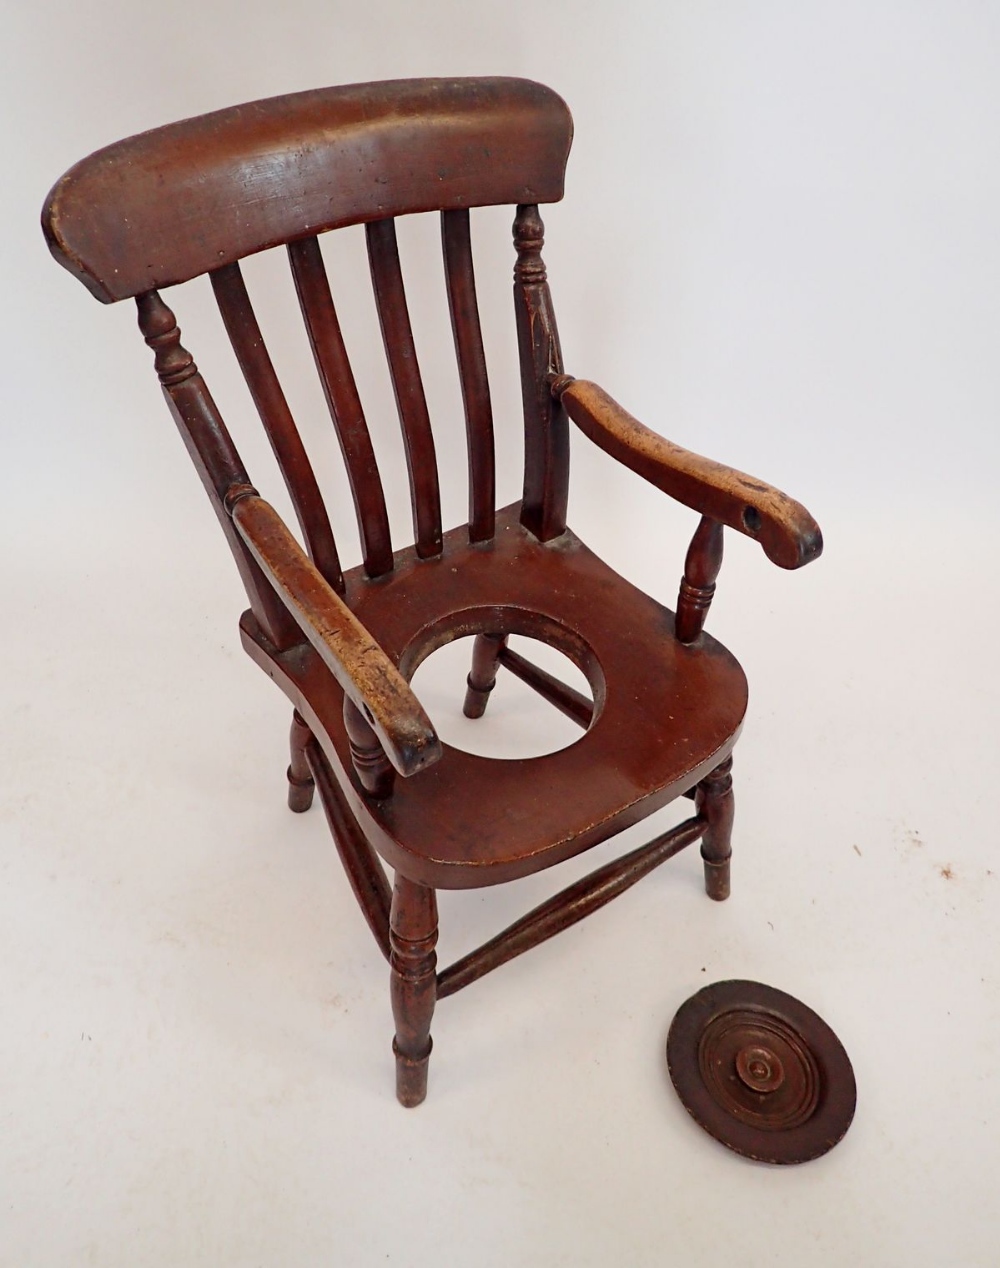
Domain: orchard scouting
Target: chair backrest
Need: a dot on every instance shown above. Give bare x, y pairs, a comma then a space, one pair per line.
198, 196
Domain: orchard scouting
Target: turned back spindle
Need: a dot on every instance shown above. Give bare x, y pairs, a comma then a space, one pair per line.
546, 430
213, 453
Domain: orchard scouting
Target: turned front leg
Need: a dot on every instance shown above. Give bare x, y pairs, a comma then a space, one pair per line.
300, 780
483, 676
413, 933
714, 801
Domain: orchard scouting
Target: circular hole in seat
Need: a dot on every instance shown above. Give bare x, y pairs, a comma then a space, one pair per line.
518, 722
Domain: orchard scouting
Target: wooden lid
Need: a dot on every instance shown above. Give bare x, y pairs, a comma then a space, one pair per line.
761, 1072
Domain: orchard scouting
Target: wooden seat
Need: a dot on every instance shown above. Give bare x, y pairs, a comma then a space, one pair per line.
667, 701
514, 817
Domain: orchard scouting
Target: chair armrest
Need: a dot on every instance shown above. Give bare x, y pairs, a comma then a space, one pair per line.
362, 668
789, 535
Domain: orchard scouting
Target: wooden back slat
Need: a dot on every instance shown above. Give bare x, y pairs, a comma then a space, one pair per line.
461, 281
258, 175
320, 316
397, 335
245, 335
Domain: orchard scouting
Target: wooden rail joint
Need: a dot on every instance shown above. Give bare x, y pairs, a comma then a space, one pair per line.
236, 493
172, 361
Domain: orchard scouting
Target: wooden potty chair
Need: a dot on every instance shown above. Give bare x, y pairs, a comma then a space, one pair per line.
668, 701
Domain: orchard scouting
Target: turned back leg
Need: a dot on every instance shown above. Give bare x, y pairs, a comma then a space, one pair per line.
300, 780
413, 932
714, 800
483, 676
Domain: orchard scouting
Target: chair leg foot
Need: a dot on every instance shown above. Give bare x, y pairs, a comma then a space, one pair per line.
413, 935
714, 800
411, 1076
483, 676
717, 879
300, 780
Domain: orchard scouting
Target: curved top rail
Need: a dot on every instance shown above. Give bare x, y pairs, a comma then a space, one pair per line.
167, 205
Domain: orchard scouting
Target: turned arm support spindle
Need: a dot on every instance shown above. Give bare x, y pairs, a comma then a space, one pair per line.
372, 767
701, 568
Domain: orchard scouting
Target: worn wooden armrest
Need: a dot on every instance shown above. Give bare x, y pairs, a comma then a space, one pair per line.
789, 535
367, 675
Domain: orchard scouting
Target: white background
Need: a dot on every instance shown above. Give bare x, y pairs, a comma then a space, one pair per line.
780, 247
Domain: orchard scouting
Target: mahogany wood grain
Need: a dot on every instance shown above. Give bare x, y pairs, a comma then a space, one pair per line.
340, 389
397, 336
787, 532
546, 433
245, 335
261, 174
464, 308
